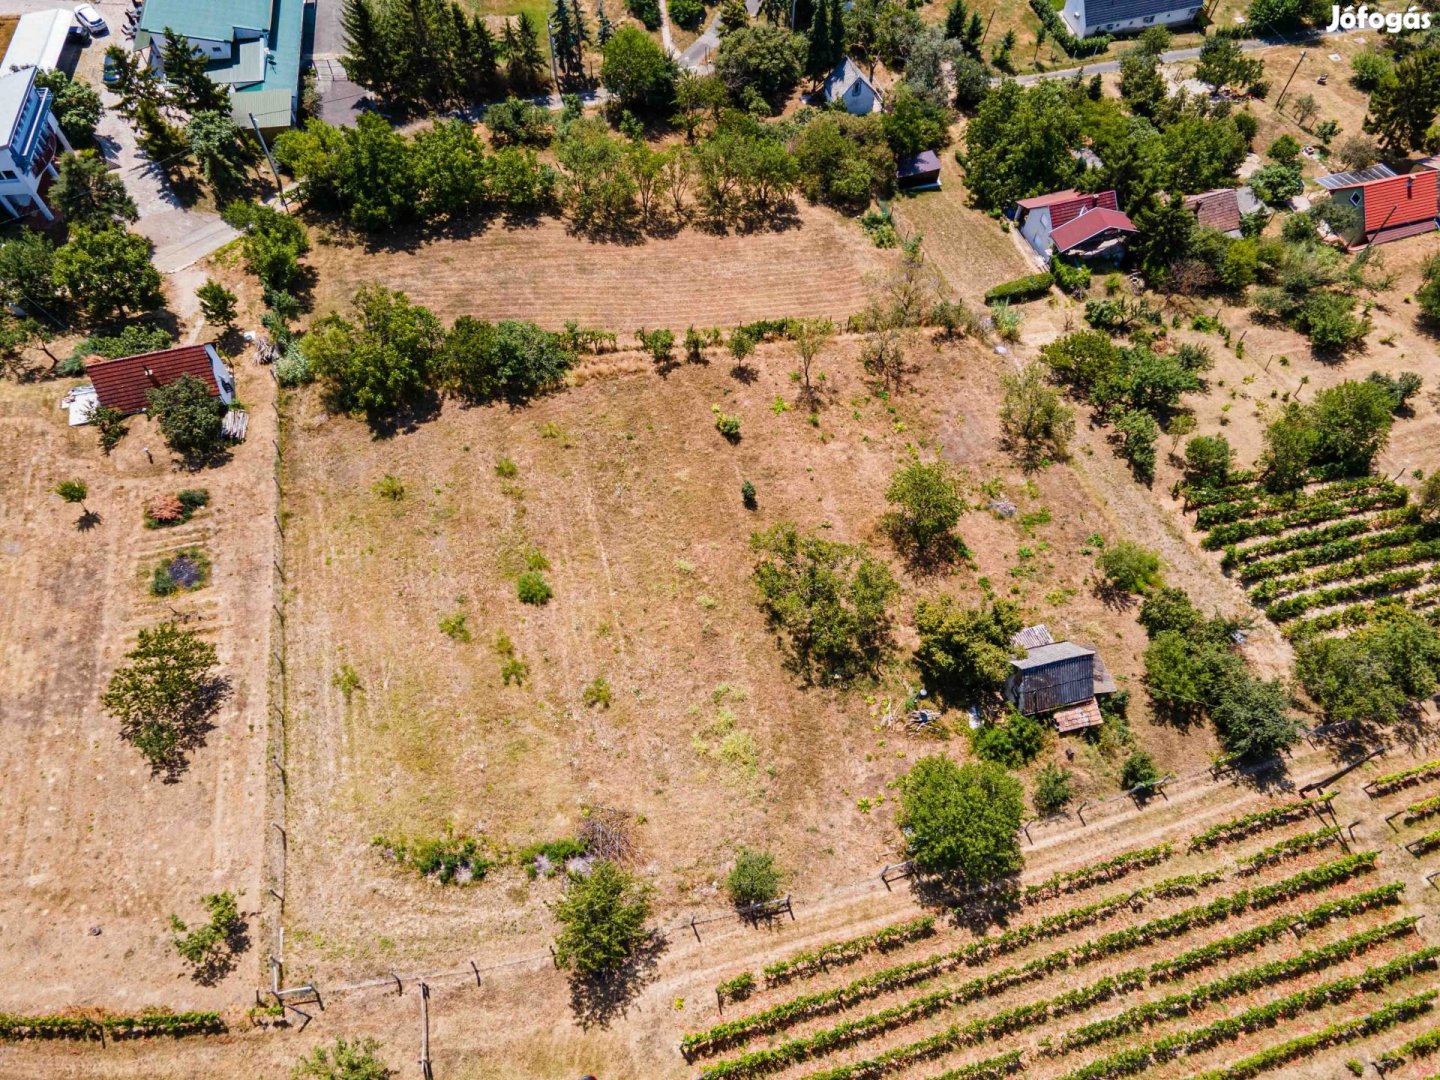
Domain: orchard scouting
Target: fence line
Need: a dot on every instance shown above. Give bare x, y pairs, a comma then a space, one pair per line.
276, 840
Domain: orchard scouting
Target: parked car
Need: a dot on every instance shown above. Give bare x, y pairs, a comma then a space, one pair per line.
91, 19
78, 34
111, 72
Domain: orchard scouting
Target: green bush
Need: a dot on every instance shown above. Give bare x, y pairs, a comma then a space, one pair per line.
532, 588
747, 495
753, 879
597, 692
344, 1059
1013, 744
450, 859
726, 424
602, 917
1074, 279
1139, 769
389, 487
1030, 287
687, 13
1130, 568
962, 820
1052, 790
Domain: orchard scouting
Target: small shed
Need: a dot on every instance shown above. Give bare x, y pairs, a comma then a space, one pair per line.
848, 86
1051, 677
919, 172
125, 384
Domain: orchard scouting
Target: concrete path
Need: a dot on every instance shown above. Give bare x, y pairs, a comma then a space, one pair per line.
697, 56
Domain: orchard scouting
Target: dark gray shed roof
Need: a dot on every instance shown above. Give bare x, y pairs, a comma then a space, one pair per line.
1099, 12
1052, 654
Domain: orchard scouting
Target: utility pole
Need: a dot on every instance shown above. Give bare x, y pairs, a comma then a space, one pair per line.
1279, 100
268, 157
425, 1073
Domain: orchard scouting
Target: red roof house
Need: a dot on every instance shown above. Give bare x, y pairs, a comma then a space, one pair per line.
1042, 217
1089, 232
1391, 207
123, 384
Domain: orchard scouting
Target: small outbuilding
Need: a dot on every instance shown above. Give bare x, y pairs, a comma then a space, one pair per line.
848, 86
1071, 222
1060, 678
1388, 207
124, 384
919, 172
1223, 208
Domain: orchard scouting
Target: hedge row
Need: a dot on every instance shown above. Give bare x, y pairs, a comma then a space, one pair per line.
1029, 287
1421, 1047
803, 965
1384, 785
1185, 1002
1393, 582
1098, 874
1236, 829
1372, 562
1425, 808
1307, 514
1331, 551
1289, 848
807, 1006
1426, 844
1383, 1018
1256, 503
1321, 534
1075, 47
14, 1028
1183, 1043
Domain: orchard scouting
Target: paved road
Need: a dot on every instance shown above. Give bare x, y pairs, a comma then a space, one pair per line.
697, 56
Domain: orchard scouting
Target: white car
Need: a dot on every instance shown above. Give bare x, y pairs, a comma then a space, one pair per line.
91, 19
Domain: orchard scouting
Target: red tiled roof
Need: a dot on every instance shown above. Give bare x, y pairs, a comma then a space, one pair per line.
1393, 201
122, 384
1089, 225
1047, 200
1062, 213
1219, 209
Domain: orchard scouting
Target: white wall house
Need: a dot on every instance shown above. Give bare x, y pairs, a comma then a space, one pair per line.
32, 141
1086, 17
848, 85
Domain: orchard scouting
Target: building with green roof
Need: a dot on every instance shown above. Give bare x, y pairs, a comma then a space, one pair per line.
253, 47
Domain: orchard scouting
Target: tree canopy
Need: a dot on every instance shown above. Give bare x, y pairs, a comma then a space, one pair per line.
962, 820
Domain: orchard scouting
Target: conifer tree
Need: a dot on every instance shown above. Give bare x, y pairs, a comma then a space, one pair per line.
532, 60
604, 31
487, 58
562, 40
955, 19
974, 34
837, 33
817, 57
582, 36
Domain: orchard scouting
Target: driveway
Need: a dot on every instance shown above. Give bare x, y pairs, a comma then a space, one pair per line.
341, 100
697, 56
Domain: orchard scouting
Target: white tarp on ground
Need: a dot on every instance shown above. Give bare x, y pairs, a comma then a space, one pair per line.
39, 40
80, 403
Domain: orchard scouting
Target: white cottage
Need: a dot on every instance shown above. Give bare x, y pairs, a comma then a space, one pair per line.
32, 142
1086, 17
848, 85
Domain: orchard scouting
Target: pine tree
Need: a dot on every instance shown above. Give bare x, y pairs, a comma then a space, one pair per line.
532, 60
582, 36
366, 60
773, 11
955, 19
487, 58
562, 40
817, 58
974, 34
804, 15
510, 50
604, 30
837, 33
466, 56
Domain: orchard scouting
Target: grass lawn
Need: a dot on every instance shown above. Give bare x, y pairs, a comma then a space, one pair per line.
8, 23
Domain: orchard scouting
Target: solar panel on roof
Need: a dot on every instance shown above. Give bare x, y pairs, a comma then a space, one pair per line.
1359, 176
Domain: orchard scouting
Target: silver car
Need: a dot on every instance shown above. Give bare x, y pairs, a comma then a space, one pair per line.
88, 17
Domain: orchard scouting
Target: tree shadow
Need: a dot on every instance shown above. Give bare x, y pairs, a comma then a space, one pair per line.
1114, 598
223, 960
744, 373
167, 743
407, 419
596, 1002
90, 519
969, 909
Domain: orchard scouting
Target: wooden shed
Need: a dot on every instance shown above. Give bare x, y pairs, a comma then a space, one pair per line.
1051, 677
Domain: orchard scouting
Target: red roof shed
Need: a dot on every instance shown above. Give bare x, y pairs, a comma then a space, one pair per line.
122, 384
1088, 226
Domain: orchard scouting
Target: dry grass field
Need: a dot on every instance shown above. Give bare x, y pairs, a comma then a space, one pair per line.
544, 274
88, 838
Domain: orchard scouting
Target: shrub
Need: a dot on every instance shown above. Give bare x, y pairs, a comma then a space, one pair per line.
1006, 320
532, 588
208, 948
962, 819
1207, 460
747, 495
389, 487
687, 13
753, 879
190, 418
343, 1060
454, 626
596, 692
1139, 770
1036, 423
1013, 744
602, 917
183, 572
928, 505
726, 424
1052, 790
1130, 568
447, 858
1030, 287
109, 425
293, 367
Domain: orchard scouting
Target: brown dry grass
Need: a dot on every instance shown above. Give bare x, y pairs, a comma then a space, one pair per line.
544, 274
89, 839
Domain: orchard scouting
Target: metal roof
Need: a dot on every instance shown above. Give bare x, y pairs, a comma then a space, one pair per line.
39, 39
927, 161
1350, 179
1053, 653
1098, 12
14, 93
212, 20
1032, 637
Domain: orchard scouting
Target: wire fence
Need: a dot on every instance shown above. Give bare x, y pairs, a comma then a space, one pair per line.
276, 839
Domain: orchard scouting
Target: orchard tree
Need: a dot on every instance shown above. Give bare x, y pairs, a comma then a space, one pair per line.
602, 921
217, 303
962, 821
1376, 673
1053, 791
965, 652
830, 600
1290, 442
636, 70
753, 879
74, 492
164, 694
1127, 567
107, 272
928, 505
809, 337
1036, 423
380, 361
1208, 459
210, 948
1352, 422
190, 417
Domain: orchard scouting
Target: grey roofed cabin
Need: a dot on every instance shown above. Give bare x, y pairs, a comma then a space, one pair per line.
1051, 677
